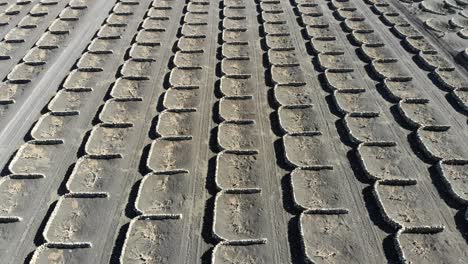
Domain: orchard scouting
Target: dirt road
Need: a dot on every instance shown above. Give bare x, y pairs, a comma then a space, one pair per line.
233, 131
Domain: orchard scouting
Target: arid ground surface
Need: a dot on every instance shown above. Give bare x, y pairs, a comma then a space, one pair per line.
233, 131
